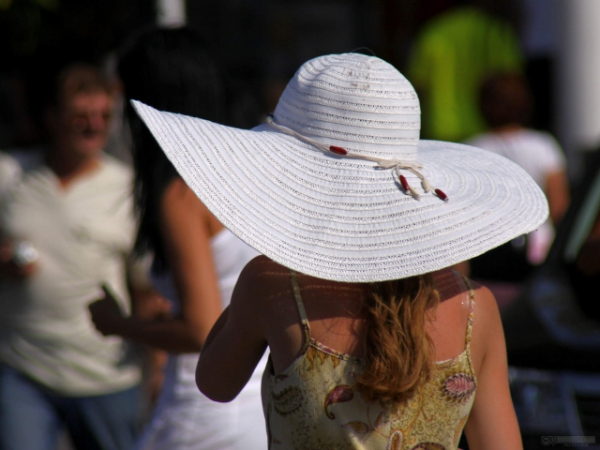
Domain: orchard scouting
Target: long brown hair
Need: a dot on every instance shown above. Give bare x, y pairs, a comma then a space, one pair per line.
399, 352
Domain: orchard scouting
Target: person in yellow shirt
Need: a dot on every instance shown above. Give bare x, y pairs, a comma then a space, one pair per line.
450, 58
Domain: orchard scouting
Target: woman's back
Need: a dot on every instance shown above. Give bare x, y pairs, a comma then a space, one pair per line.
317, 352
337, 185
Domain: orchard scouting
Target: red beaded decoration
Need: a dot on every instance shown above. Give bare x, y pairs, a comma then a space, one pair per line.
338, 150
383, 163
404, 183
441, 194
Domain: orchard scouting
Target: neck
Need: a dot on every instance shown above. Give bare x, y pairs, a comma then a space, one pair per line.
69, 167
508, 128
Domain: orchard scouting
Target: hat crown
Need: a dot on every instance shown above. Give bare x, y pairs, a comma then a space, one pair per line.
358, 102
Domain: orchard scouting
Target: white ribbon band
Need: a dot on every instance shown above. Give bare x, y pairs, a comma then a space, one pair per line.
396, 164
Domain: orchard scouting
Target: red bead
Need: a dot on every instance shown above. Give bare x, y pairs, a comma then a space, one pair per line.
441, 194
338, 150
404, 183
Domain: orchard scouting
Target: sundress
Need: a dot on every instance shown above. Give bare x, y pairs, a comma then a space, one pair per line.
313, 405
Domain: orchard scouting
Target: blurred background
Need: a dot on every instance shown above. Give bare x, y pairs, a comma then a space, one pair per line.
262, 43
550, 318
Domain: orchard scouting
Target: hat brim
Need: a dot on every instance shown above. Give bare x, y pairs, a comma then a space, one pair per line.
344, 219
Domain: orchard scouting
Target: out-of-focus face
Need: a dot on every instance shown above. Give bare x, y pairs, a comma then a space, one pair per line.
83, 123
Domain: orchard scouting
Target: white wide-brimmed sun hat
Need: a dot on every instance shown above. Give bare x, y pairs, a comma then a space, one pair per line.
338, 185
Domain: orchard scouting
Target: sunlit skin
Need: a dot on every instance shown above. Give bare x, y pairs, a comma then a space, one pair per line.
262, 313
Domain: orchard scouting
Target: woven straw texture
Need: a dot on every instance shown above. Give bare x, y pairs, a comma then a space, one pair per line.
341, 218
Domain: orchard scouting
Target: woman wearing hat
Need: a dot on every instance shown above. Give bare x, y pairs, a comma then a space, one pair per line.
373, 342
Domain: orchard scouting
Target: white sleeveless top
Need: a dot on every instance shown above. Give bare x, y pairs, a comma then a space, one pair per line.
184, 418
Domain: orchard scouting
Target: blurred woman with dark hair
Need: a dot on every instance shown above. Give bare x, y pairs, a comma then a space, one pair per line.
196, 260
506, 105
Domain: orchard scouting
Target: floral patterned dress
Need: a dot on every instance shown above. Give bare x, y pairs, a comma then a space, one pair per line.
312, 404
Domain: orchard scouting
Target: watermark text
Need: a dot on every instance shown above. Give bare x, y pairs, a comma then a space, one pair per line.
568, 441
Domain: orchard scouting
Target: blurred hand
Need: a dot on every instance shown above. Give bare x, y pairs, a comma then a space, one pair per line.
8, 268
107, 316
150, 305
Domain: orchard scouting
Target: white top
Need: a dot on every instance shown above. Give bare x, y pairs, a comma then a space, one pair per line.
535, 151
184, 418
541, 156
230, 256
10, 171
83, 235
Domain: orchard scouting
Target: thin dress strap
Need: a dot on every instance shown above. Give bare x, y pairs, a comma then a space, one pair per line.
300, 305
471, 312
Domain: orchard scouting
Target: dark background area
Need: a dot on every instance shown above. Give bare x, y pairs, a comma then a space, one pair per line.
260, 43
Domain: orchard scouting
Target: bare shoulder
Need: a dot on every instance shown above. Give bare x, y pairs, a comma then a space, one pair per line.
178, 190
178, 196
263, 268
488, 335
262, 278
449, 284
182, 209
259, 290
486, 306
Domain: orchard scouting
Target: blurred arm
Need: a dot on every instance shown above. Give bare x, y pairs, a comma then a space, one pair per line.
557, 191
184, 222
